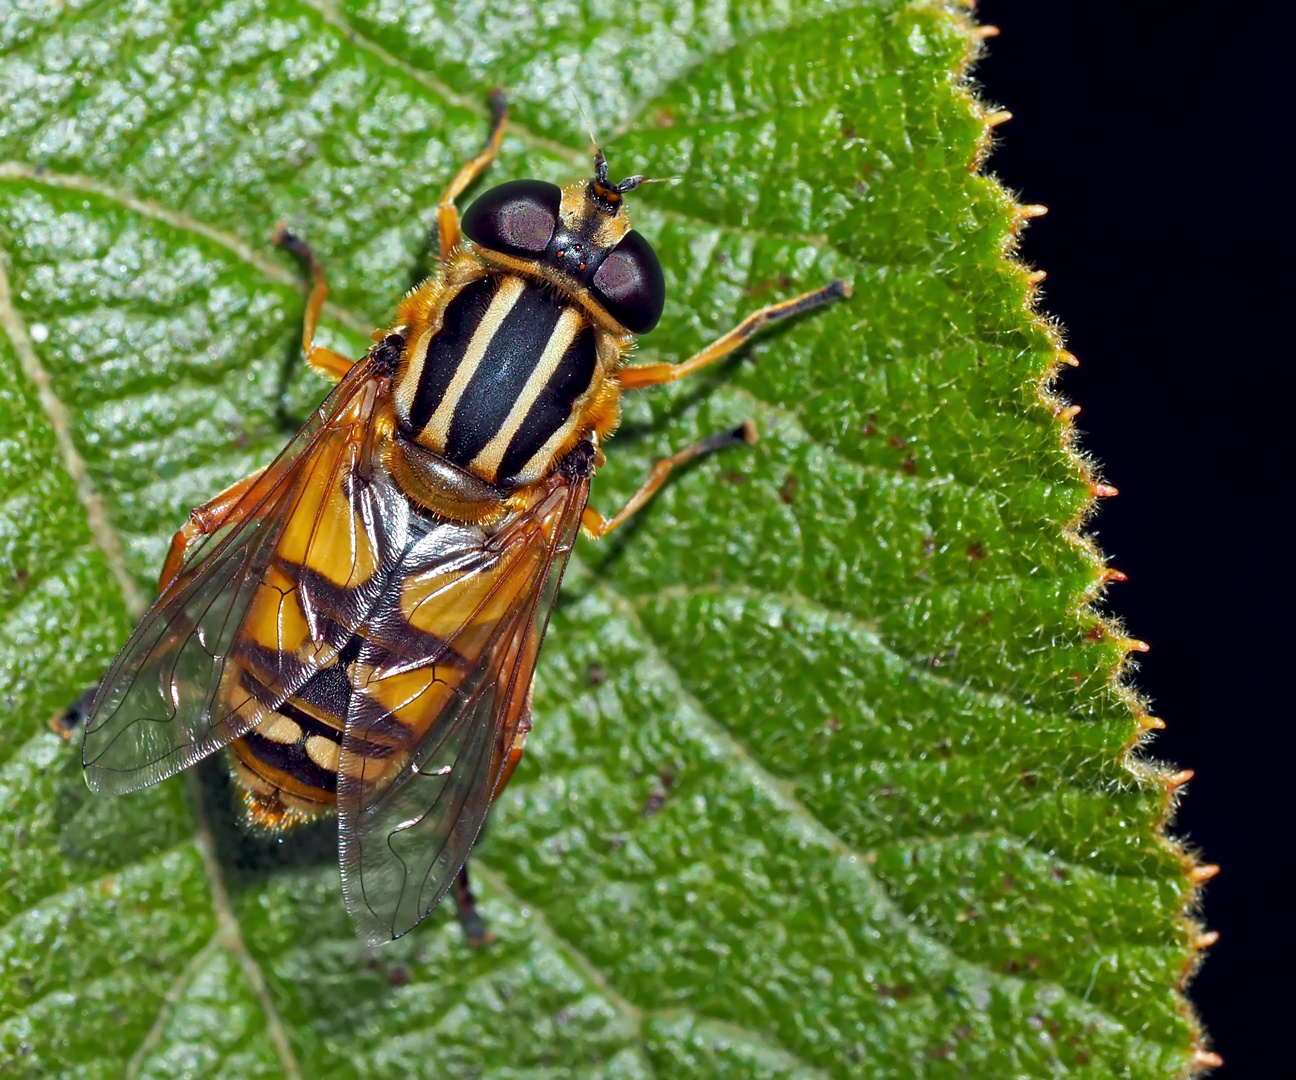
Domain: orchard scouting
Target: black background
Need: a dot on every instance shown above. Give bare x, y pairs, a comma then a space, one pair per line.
1155, 132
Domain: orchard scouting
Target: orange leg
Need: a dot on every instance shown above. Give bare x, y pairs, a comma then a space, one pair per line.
332, 364
517, 746
447, 215
595, 524
225, 509
633, 378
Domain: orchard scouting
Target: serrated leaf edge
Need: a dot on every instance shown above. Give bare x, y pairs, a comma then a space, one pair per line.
1144, 769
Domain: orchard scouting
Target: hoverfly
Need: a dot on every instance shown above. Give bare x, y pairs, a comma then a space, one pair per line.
358, 623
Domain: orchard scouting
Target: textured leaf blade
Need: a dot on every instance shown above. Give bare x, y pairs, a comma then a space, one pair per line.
829, 776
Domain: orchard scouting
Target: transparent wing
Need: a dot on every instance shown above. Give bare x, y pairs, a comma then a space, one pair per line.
259, 606
440, 688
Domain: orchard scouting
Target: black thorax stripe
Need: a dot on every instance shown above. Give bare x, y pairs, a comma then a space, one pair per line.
498, 384
445, 351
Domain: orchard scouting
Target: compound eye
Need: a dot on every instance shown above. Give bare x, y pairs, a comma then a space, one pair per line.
517, 218
630, 285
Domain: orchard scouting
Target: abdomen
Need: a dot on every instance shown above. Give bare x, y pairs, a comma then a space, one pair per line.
429, 627
288, 765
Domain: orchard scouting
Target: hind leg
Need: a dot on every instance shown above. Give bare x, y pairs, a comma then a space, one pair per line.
470, 919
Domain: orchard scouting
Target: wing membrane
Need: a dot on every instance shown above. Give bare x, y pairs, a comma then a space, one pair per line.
441, 686
259, 606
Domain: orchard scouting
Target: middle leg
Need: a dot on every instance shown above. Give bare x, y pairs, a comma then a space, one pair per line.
594, 524
633, 378
332, 364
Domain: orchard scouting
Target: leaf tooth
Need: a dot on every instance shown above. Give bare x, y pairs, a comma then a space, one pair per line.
1110, 573
986, 31
1151, 723
1202, 873
1034, 277
1206, 1059
1205, 940
1068, 358
999, 116
1026, 211
1178, 779
1105, 491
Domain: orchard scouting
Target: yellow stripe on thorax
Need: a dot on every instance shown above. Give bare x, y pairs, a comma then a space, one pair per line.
437, 430
487, 463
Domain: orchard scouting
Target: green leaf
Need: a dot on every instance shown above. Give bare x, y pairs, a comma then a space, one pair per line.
831, 773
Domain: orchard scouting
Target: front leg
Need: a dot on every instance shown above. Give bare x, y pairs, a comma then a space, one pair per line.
447, 214
634, 378
331, 364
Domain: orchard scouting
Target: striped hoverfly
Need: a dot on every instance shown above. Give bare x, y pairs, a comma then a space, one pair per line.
358, 623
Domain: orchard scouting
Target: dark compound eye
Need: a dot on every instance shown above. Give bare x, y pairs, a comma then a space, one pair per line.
517, 218
630, 285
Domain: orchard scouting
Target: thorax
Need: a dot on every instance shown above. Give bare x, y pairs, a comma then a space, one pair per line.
502, 374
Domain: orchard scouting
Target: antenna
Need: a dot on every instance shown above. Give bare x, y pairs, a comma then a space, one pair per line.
600, 161
589, 128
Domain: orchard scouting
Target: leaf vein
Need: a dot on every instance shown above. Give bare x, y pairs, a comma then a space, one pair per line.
337, 20
230, 936
636, 1015
17, 170
170, 1000
790, 598
633, 1013
60, 420
783, 792
34, 904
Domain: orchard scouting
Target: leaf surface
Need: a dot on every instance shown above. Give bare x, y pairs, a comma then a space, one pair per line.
830, 772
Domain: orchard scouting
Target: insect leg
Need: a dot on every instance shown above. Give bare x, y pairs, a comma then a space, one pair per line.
68, 722
447, 215
633, 378
595, 524
469, 917
332, 364
224, 509
518, 745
